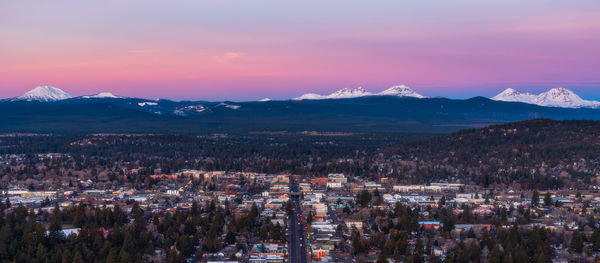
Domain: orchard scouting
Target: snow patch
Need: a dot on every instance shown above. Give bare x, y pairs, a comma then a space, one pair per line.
147, 103
229, 106
192, 108
102, 95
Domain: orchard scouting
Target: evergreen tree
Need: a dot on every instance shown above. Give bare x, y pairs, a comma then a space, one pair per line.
596, 239
547, 199
535, 198
577, 242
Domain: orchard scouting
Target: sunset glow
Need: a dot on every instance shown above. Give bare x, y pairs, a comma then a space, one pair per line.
243, 50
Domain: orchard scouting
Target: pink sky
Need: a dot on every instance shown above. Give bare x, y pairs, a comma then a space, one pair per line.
240, 50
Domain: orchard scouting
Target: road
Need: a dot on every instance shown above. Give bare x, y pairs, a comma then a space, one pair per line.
297, 245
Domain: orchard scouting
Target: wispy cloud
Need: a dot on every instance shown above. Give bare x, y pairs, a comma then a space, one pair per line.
228, 57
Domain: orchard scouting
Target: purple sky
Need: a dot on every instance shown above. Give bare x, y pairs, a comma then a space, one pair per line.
242, 50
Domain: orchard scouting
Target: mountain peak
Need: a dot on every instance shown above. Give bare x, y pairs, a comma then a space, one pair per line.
561, 91
45, 94
349, 93
510, 91
562, 97
513, 95
555, 97
401, 91
103, 95
309, 96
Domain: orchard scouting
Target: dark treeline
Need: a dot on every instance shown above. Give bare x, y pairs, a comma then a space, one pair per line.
112, 235
541, 153
506, 245
275, 153
532, 153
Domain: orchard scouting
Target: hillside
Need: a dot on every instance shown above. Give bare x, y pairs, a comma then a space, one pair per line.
540, 153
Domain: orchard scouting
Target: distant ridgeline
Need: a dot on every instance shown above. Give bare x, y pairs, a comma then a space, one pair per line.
111, 114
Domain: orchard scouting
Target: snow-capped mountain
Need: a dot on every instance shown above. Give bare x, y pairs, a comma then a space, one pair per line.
344, 93
349, 93
556, 97
400, 91
310, 96
515, 96
102, 95
561, 97
45, 94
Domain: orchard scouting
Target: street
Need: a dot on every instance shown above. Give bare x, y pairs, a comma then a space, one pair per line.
297, 246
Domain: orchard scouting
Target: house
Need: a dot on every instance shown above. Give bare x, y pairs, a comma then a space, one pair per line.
430, 224
417, 188
354, 223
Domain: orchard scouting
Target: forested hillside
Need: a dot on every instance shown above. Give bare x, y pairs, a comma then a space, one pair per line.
540, 153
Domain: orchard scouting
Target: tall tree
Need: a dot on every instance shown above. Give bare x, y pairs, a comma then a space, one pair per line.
547, 199
577, 242
535, 198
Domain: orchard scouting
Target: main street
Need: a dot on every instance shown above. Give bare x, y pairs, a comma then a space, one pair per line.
297, 245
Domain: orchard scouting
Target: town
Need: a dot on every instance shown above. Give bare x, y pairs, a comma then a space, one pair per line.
333, 218
481, 195
257, 131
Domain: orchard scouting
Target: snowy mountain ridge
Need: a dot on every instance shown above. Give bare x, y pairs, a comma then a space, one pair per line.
556, 97
51, 94
402, 91
345, 93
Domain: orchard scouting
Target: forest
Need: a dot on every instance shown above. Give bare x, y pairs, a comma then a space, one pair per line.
539, 153
114, 235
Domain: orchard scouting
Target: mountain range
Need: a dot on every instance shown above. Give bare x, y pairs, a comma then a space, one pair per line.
50, 110
555, 97
346, 93
398, 109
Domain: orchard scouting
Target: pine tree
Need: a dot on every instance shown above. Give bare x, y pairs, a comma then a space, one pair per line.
596, 239
66, 256
230, 237
535, 198
548, 199
577, 242
381, 258
78, 258
112, 256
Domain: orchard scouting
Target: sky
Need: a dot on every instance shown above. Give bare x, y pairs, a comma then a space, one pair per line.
252, 49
